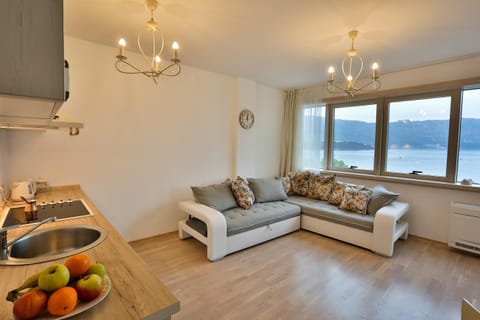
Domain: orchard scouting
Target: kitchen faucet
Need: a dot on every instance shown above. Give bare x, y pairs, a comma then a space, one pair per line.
4, 244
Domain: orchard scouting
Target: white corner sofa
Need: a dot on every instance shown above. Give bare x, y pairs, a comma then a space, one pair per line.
213, 228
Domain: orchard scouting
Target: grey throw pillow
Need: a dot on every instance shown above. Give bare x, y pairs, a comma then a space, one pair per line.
380, 197
217, 196
266, 190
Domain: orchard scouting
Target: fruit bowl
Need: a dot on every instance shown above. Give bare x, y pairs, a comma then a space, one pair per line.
82, 306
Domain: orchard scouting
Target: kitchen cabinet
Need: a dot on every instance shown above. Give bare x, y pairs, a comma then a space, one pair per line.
32, 57
33, 71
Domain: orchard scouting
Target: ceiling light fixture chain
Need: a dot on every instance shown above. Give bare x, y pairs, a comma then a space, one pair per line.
352, 68
154, 67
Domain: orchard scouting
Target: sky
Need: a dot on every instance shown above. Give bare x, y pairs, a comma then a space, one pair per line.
416, 110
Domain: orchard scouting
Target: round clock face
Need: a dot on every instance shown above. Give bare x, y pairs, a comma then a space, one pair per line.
246, 119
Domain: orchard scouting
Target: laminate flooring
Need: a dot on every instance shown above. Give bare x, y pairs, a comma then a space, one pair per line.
307, 276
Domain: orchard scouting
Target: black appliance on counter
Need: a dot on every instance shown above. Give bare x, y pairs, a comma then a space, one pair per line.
62, 210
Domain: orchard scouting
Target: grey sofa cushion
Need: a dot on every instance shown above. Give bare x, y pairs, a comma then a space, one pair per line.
198, 225
217, 196
380, 197
259, 215
266, 190
323, 210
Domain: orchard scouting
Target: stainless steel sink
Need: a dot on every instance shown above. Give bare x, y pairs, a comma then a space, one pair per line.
54, 243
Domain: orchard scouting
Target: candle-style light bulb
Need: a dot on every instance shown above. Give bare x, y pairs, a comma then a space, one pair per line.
331, 71
349, 78
121, 47
374, 70
157, 63
175, 48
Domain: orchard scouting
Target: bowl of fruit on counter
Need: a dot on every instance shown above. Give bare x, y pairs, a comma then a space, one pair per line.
61, 291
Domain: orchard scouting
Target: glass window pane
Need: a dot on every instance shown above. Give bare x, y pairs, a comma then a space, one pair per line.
354, 137
418, 136
469, 151
313, 137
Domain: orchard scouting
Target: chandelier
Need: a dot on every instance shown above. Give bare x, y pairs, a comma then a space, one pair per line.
352, 67
154, 66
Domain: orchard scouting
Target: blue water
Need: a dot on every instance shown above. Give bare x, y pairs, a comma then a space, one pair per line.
430, 162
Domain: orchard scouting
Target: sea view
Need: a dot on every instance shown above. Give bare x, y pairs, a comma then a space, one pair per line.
430, 162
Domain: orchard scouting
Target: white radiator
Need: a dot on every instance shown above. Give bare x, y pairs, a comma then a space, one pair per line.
465, 227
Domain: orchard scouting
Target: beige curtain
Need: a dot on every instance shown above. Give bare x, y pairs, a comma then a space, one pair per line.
287, 160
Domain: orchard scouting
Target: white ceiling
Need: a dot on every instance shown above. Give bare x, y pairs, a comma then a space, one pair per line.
288, 43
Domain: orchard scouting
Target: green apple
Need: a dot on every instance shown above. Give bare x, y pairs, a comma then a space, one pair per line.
97, 268
89, 287
54, 277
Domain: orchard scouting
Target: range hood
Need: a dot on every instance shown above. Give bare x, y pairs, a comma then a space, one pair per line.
34, 113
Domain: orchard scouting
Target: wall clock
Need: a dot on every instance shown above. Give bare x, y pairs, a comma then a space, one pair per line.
246, 119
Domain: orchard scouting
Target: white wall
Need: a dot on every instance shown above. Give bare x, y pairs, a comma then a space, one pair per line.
268, 124
245, 139
429, 207
143, 145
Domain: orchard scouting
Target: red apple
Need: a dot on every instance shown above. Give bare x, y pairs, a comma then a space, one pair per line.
89, 287
30, 305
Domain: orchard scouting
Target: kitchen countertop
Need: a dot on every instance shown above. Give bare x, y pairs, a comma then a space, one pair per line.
136, 292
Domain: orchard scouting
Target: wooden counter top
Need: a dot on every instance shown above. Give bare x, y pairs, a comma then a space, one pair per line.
136, 292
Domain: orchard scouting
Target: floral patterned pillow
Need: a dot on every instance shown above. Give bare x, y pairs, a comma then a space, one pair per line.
242, 192
300, 183
356, 199
320, 186
287, 184
336, 196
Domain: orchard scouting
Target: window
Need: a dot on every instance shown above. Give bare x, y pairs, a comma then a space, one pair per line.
432, 136
354, 136
469, 147
313, 145
417, 136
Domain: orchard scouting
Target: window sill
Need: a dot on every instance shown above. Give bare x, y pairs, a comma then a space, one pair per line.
433, 184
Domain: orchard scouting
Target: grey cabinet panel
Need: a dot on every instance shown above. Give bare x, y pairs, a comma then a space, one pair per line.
32, 57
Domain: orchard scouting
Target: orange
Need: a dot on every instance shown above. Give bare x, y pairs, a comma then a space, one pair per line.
77, 265
62, 301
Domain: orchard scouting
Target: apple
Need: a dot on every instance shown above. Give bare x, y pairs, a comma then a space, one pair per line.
89, 287
30, 305
54, 277
97, 268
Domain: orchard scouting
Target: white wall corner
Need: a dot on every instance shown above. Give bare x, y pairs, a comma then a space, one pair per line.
244, 153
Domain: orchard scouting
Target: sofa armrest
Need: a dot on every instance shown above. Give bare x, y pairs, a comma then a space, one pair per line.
395, 210
384, 227
216, 227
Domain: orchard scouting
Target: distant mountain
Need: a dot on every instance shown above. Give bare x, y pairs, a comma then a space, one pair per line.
429, 134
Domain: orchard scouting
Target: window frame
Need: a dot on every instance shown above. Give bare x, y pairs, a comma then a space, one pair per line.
330, 129
453, 135
381, 134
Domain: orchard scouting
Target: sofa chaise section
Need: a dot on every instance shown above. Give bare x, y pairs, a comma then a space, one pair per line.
236, 229
377, 233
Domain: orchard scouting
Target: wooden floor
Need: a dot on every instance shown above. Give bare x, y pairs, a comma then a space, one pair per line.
306, 276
